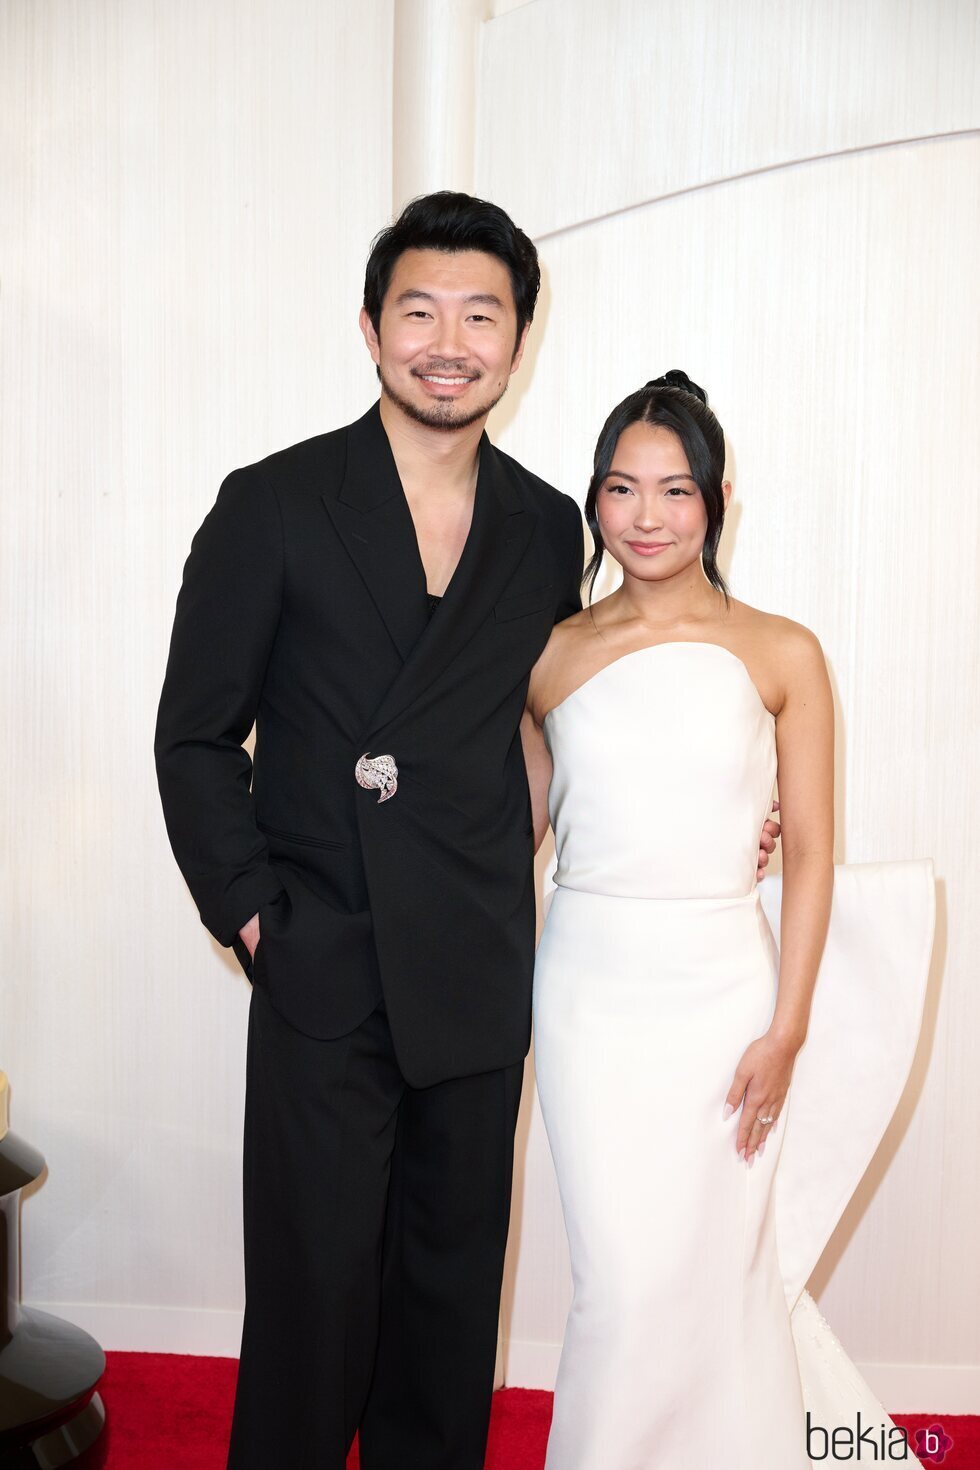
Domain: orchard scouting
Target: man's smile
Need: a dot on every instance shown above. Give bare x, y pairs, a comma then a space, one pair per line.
447, 383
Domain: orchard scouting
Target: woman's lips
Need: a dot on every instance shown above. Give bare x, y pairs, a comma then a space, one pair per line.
648, 548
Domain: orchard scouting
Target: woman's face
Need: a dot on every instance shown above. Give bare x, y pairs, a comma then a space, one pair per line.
650, 510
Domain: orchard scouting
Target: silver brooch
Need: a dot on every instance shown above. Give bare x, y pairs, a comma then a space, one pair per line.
378, 771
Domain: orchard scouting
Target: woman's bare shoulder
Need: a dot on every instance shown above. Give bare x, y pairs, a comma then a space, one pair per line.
567, 642
779, 636
786, 653
573, 633
585, 620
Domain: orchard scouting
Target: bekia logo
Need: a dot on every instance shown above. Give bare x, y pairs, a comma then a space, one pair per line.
869, 1443
865, 1442
932, 1445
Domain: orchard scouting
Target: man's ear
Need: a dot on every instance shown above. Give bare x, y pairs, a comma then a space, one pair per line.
726, 491
519, 350
370, 335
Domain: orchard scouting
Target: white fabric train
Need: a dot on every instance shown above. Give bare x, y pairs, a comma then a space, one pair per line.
848, 1079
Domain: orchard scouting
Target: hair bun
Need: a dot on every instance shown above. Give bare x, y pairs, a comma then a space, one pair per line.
677, 378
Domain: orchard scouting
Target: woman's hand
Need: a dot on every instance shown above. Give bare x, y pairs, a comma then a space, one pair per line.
767, 843
537, 759
761, 1083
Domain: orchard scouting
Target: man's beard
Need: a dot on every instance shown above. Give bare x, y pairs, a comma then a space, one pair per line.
441, 415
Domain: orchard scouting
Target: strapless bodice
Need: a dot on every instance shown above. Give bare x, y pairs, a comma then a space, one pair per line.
664, 769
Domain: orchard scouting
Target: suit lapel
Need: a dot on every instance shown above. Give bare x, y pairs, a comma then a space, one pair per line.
372, 519
501, 529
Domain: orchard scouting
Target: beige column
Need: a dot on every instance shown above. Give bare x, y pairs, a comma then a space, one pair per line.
434, 104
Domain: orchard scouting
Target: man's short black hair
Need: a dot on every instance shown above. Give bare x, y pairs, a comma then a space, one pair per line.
453, 222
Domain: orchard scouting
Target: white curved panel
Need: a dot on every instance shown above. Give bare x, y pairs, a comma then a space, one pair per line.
587, 108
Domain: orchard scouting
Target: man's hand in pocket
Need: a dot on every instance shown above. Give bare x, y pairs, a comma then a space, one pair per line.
249, 935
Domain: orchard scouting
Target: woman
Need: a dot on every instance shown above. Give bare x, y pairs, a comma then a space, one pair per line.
664, 1045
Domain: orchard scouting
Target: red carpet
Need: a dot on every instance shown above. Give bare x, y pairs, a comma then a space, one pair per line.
173, 1413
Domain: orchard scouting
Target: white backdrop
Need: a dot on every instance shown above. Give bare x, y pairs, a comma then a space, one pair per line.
188, 196
785, 203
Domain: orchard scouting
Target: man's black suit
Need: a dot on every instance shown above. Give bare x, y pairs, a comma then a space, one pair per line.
391, 985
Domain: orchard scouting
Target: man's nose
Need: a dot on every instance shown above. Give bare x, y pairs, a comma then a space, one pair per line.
447, 343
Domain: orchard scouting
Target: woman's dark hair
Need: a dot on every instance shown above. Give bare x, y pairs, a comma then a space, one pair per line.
453, 222
671, 402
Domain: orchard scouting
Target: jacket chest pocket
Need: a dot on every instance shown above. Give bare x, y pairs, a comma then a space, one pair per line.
522, 604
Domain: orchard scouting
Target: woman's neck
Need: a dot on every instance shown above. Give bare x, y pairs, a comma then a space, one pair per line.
663, 606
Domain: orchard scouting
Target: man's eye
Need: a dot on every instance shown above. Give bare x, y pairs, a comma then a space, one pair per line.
477, 318
418, 313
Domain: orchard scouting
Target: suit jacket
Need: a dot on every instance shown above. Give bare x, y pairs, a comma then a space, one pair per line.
303, 608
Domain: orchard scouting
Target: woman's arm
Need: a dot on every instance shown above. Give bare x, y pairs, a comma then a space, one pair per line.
805, 750
537, 759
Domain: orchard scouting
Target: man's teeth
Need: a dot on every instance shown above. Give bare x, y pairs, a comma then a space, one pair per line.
451, 382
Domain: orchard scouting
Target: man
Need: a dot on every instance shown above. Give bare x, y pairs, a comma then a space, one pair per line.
373, 867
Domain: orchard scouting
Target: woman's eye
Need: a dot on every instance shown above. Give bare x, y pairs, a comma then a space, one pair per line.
619, 489
679, 490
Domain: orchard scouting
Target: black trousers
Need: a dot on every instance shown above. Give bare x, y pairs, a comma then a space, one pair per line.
376, 1218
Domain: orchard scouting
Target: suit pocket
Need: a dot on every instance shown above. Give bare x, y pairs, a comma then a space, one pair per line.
242, 955
525, 603
302, 839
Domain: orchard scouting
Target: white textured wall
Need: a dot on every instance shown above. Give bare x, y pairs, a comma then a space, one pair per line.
769, 223
187, 194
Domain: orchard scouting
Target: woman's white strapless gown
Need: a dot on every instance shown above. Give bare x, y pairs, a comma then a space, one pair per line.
691, 1343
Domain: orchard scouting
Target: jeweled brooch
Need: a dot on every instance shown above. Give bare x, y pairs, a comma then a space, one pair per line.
377, 772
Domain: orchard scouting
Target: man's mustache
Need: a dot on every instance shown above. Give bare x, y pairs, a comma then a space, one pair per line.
445, 369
